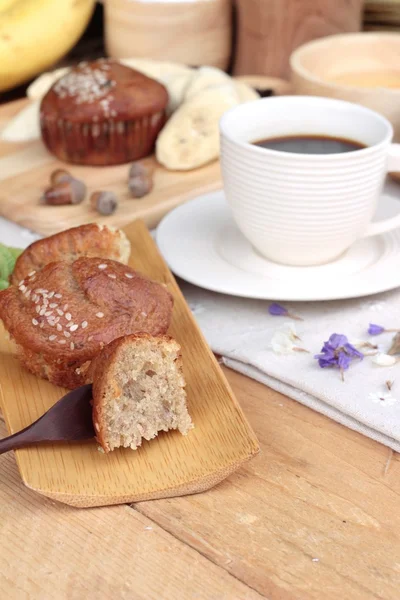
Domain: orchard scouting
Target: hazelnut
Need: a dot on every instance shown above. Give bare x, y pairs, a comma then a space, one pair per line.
71, 191
137, 169
59, 175
140, 185
104, 202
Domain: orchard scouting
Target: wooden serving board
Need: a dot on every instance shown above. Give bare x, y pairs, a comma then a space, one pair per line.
170, 465
24, 174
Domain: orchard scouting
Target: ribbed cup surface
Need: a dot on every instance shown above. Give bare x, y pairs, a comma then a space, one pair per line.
302, 209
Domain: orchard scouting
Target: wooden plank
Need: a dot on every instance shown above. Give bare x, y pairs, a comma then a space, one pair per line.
171, 464
267, 31
52, 551
313, 516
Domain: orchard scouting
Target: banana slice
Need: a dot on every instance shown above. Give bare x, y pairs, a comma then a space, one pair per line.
24, 126
176, 86
206, 77
43, 83
245, 92
158, 69
191, 136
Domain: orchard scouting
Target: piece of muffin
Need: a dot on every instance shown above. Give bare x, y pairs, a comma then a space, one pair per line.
87, 240
138, 391
62, 316
102, 113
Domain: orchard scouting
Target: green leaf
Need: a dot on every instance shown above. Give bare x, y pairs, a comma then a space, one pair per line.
4, 266
8, 256
3, 284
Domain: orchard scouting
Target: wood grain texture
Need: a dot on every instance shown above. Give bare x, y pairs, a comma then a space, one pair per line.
77, 474
269, 30
193, 33
317, 491
53, 551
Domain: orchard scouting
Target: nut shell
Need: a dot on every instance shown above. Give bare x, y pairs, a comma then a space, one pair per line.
140, 186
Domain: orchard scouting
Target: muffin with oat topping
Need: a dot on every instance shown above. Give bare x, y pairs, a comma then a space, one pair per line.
102, 113
90, 240
63, 315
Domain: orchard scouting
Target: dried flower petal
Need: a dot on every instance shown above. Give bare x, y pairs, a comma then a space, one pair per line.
338, 353
284, 340
277, 310
384, 360
374, 329
395, 347
383, 399
281, 343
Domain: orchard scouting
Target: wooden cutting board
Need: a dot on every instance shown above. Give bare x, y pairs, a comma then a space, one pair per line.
25, 169
170, 465
24, 174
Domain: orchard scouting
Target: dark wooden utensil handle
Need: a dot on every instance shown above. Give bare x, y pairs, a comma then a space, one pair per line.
68, 419
21, 439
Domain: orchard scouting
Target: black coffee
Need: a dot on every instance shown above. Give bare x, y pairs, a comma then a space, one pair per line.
310, 144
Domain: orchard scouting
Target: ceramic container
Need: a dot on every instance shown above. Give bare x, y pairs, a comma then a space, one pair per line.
193, 32
305, 209
359, 67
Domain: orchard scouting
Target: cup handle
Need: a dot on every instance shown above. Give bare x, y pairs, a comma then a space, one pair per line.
393, 165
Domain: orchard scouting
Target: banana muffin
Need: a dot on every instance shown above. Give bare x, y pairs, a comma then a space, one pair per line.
62, 316
138, 391
91, 240
102, 113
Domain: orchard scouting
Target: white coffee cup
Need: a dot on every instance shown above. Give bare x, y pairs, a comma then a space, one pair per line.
305, 209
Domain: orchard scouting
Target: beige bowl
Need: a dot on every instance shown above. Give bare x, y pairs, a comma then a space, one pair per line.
359, 67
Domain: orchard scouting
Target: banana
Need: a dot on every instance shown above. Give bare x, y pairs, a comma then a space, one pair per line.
34, 34
191, 136
43, 83
206, 77
245, 92
25, 126
157, 69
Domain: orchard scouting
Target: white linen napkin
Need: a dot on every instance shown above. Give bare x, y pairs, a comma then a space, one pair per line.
241, 331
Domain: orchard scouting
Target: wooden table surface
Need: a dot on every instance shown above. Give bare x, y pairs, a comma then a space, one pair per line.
314, 516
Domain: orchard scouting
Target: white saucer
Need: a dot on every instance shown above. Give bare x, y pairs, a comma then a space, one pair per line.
201, 244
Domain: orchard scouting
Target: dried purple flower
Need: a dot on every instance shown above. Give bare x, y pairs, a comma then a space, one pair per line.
338, 353
277, 310
374, 329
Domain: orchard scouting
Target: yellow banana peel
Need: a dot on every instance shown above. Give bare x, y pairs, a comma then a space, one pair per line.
35, 34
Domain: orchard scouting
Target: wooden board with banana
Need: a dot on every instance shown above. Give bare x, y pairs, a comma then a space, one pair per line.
185, 164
